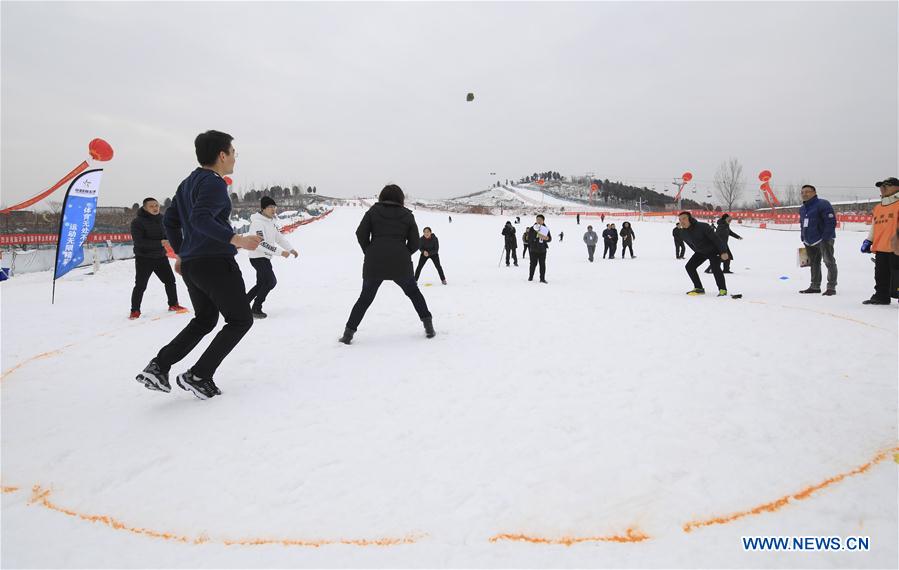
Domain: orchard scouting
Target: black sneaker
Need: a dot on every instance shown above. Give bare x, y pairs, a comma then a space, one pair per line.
810, 290
429, 327
347, 337
201, 388
154, 378
259, 314
829, 293
876, 301
544, 281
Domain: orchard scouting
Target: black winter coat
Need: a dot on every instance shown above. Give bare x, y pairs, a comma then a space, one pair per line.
676, 232
610, 235
627, 235
723, 232
148, 233
430, 245
511, 238
702, 239
534, 244
388, 235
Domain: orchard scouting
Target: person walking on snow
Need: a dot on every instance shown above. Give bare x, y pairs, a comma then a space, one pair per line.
524, 240
539, 238
679, 248
818, 231
590, 238
882, 241
262, 223
510, 243
627, 239
198, 227
388, 236
150, 257
610, 240
429, 245
706, 247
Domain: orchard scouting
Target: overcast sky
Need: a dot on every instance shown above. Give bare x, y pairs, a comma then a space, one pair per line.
351, 96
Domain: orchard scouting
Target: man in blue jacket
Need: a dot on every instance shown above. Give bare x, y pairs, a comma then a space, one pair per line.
198, 229
818, 230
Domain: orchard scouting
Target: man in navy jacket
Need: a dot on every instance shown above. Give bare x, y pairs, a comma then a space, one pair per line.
818, 230
198, 228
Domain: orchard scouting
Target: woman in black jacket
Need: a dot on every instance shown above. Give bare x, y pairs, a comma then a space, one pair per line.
429, 245
724, 234
388, 235
627, 239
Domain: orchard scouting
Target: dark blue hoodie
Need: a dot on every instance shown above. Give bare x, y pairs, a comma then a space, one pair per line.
197, 223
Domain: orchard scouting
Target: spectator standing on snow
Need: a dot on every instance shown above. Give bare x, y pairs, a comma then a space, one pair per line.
262, 224
590, 238
818, 231
388, 236
724, 233
524, 240
538, 238
679, 248
627, 239
510, 243
198, 228
882, 241
150, 257
429, 246
706, 247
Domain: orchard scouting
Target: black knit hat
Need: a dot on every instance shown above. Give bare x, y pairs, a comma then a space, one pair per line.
266, 202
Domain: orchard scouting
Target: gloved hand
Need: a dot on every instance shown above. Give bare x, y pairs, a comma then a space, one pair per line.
866, 246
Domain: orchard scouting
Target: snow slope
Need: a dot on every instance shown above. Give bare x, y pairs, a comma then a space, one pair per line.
602, 402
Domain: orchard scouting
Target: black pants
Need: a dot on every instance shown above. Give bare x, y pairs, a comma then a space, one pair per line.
524, 252
611, 248
627, 246
370, 289
265, 281
421, 263
680, 250
215, 286
513, 250
538, 257
147, 266
591, 249
715, 262
884, 266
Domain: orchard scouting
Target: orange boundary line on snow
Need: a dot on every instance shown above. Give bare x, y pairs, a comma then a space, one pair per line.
10, 489
780, 503
834, 315
40, 496
631, 535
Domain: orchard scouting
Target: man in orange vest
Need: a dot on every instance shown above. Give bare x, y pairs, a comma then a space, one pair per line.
882, 241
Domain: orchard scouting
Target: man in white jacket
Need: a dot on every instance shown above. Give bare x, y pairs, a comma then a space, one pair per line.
262, 224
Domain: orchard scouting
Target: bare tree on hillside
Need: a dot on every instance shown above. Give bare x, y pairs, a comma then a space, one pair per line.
729, 182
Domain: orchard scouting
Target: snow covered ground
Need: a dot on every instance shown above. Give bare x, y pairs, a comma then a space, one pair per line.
601, 416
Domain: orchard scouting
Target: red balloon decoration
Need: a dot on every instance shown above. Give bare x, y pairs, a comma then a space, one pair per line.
228, 180
687, 176
765, 186
100, 150
765, 175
